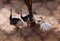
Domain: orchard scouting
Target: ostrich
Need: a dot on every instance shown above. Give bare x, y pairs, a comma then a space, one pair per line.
15, 21
44, 26
28, 18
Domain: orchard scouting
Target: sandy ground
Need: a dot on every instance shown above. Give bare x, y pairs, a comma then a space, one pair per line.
8, 32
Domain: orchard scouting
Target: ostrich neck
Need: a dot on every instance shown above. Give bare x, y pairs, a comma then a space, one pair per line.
10, 15
21, 15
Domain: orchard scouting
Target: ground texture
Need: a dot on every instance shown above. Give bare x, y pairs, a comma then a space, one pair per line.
50, 13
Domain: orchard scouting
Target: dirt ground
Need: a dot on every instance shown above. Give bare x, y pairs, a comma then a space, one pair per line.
50, 13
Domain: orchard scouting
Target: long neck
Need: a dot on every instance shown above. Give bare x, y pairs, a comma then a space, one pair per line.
21, 14
10, 14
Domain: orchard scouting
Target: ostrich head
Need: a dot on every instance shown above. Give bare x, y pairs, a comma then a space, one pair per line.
11, 11
20, 11
40, 20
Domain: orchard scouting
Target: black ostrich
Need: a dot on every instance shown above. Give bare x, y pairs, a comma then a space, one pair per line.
28, 18
15, 21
